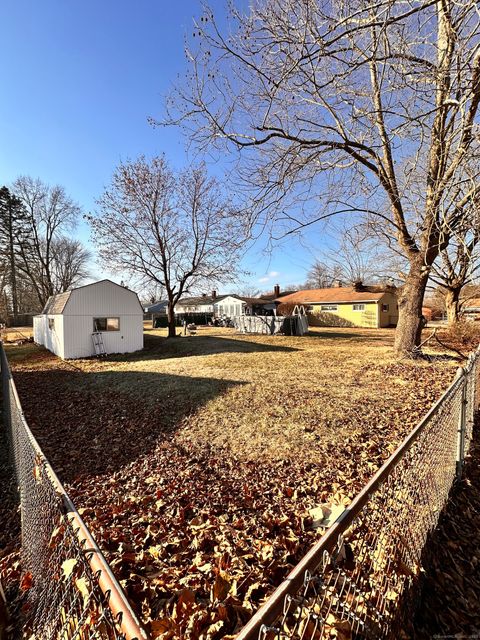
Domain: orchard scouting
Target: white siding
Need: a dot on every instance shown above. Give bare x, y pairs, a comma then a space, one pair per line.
51, 339
193, 308
78, 335
102, 299
72, 334
230, 306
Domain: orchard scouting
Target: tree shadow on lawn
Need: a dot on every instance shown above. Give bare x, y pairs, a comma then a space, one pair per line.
96, 423
160, 347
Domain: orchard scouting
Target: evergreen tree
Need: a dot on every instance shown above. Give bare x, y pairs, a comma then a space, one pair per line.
13, 229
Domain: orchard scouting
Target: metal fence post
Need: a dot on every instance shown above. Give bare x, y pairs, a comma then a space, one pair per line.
462, 424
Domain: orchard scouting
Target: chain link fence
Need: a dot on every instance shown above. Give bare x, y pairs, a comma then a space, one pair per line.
71, 593
354, 583
357, 581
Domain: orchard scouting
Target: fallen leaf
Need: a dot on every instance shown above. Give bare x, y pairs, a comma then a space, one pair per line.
27, 581
68, 566
220, 588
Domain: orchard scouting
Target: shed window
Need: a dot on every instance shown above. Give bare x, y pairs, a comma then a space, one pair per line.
359, 307
106, 324
328, 307
385, 307
51, 324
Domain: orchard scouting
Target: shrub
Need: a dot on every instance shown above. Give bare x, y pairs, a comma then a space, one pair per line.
463, 335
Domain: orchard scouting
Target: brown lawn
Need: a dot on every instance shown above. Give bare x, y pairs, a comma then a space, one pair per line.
197, 460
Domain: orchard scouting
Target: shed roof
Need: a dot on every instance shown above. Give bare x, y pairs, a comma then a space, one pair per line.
56, 304
250, 300
335, 294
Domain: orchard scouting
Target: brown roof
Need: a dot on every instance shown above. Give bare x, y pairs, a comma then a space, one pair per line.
271, 296
473, 303
254, 300
56, 304
334, 294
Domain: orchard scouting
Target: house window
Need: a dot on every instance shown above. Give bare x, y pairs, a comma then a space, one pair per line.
328, 307
385, 307
51, 324
309, 308
106, 324
359, 307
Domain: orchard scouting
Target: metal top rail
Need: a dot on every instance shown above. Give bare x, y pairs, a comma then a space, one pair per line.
272, 609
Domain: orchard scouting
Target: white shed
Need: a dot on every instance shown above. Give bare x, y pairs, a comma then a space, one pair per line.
69, 319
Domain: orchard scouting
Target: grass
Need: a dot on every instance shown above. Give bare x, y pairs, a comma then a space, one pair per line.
284, 396
243, 434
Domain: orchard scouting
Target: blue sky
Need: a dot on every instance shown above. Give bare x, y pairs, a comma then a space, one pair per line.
79, 80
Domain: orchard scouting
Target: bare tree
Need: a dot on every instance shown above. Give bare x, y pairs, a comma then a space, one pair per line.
50, 212
152, 292
249, 291
346, 106
177, 231
457, 269
362, 254
322, 275
70, 264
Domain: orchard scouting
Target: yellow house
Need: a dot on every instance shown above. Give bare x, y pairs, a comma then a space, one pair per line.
357, 306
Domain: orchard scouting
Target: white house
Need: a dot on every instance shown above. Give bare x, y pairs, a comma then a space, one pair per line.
69, 320
198, 304
230, 305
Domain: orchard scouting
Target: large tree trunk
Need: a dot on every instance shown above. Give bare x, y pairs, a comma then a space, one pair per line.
172, 329
452, 305
409, 328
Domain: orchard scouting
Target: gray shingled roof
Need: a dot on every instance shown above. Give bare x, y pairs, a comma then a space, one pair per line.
56, 304
157, 307
199, 300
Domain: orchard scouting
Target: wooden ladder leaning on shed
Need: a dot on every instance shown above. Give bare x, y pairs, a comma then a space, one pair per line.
98, 345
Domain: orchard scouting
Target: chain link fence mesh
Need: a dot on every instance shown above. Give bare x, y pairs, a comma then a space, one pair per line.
70, 591
357, 581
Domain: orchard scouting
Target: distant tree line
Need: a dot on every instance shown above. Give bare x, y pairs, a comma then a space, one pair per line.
38, 258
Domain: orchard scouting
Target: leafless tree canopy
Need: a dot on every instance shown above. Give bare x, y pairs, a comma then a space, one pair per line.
45, 256
70, 263
322, 275
179, 231
356, 256
459, 265
350, 105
